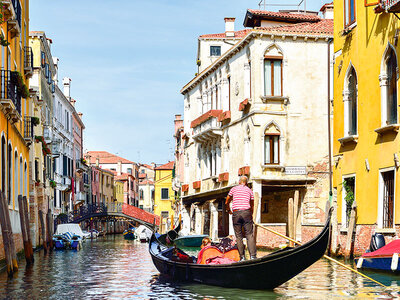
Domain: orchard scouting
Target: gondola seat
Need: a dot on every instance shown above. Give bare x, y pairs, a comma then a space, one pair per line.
210, 252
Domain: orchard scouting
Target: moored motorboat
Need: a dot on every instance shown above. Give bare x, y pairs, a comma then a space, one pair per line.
190, 240
384, 258
67, 241
129, 234
266, 272
143, 233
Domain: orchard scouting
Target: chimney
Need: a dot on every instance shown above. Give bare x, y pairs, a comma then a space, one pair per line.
72, 101
97, 162
80, 115
230, 27
327, 11
119, 168
67, 87
178, 117
55, 62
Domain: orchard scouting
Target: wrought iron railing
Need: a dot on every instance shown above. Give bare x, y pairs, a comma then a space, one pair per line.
18, 11
28, 132
389, 4
9, 88
28, 60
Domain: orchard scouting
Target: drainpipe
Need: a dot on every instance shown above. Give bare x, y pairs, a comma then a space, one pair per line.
329, 120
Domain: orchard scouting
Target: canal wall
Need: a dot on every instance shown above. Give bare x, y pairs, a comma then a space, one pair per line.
17, 235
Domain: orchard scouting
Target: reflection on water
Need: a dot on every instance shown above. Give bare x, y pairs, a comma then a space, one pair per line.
113, 268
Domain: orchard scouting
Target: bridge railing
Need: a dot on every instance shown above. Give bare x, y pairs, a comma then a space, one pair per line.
141, 214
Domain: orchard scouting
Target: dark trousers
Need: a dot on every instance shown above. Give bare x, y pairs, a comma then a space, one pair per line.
243, 219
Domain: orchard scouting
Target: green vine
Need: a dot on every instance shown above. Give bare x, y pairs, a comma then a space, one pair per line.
348, 185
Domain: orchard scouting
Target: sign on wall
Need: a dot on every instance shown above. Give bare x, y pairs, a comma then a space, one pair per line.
295, 170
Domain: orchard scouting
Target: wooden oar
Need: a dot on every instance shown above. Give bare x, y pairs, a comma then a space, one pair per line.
325, 256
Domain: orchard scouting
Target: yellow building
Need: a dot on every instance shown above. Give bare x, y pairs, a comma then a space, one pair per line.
118, 191
366, 141
16, 69
164, 196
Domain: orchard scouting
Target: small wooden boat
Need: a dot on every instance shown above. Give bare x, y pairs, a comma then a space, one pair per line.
190, 240
385, 258
129, 234
266, 272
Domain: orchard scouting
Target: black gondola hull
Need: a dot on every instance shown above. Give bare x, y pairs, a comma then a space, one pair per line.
266, 272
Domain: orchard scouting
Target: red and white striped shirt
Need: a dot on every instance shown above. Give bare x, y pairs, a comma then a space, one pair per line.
242, 195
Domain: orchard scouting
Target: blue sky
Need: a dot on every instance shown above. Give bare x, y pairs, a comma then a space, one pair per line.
128, 59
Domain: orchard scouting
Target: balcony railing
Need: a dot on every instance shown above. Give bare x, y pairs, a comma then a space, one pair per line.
207, 126
28, 132
392, 6
28, 61
10, 97
14, 25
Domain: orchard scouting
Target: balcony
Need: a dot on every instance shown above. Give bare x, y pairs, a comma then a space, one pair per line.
48, 134
10, 96
80, 196
207, 127
14, 23
28, 130
28, 61
391, 6
8, 9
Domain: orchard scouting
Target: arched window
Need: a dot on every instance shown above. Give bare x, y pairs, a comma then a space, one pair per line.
273, 72
350, 102
21, 177
388, 83
3, 165
9, 175
271, 145
141, 194
392, 88
16, 179
25, 180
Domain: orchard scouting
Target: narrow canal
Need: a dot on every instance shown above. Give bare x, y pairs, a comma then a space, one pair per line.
113, 268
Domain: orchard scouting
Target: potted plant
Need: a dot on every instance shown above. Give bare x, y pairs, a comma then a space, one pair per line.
35, 121
53, 184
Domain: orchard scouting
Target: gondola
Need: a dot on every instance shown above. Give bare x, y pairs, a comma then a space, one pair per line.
266, 272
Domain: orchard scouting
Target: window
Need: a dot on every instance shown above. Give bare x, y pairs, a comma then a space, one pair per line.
3, 164
43, 59
16, 179
164, 214
215, 50
141, 194
388, 199
129, 171
392, 88
271, 154
164, 194
9, 175
350, 103
273, 77
348, 193
349, 12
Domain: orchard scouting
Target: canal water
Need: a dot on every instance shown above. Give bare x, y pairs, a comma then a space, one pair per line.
114, 268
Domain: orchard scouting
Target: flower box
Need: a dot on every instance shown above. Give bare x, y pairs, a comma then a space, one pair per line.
185, 187
244, 104
223, 177
225, 116
244, 171
196, 184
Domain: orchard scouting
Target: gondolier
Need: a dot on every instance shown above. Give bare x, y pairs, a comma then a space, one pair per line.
242, 198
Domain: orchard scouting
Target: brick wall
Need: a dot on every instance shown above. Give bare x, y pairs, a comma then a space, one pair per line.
19, 245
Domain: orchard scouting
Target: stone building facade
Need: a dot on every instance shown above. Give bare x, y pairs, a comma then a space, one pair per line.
260, 110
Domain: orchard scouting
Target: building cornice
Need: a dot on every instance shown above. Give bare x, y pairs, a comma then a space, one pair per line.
241, 44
